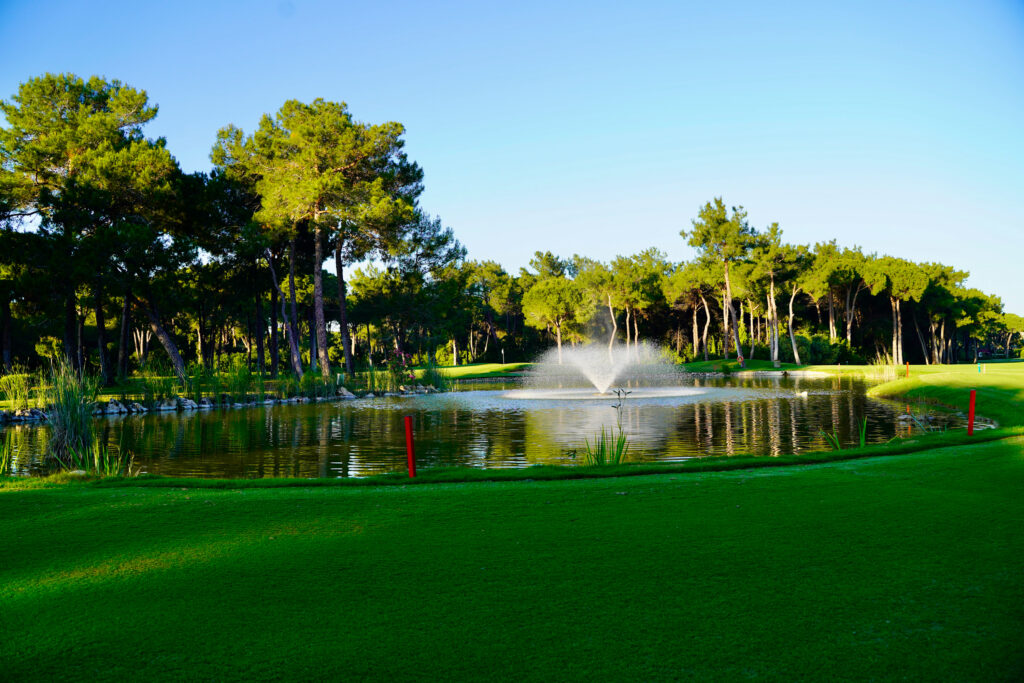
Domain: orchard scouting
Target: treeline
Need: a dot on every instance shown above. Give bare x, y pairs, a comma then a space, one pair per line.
109, 250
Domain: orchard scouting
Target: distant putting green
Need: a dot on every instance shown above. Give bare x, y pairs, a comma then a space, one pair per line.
903, 567
999, 388
484, 370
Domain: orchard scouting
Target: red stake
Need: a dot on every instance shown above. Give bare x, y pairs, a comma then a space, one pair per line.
409, 450
970, 416
908, 368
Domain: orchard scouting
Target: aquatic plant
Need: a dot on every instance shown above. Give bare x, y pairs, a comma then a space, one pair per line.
378, 381
832, 438
16, 388
8, 451
71, 398
99, 458
434, 377
610, 446
198, 379
157, 387
239, 381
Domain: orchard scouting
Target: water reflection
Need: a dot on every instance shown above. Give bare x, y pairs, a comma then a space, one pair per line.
484, 428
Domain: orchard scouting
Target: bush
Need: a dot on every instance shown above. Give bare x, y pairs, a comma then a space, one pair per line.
17, 389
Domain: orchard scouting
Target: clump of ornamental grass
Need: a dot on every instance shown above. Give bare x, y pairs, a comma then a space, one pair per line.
71, 398
157, 387
240, 382
610, 446
100, 458
433, 376
16, 389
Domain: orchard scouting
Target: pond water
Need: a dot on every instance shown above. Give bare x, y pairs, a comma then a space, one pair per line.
494, 425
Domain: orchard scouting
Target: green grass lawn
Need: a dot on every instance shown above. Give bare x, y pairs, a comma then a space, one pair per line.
999, 389
484, 370
885, 568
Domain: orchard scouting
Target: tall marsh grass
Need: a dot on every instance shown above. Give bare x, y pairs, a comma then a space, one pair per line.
433, 376
157, 387
8, 453
71, 398
610, 446
17, 389
240, 382
101, 459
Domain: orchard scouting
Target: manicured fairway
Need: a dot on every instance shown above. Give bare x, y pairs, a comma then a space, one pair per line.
885, 568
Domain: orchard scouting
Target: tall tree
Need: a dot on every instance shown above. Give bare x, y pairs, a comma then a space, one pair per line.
726, 240
62, 133
315, 167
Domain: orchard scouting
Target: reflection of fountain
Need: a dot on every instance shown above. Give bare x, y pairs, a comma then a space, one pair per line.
579, 371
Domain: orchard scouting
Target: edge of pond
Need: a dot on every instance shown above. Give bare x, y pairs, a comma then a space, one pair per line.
535, 473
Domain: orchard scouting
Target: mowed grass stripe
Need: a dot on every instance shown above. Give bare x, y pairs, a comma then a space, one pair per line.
907, 566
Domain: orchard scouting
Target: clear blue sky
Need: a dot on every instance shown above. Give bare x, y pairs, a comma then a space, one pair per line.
600, 128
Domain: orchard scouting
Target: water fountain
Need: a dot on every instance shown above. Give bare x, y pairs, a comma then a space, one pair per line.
592, 372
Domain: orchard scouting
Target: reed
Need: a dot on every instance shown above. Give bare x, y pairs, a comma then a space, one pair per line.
433, 376
240, 382
832, 439
101, 459
610, 446
16, 389
8, 453
71, 398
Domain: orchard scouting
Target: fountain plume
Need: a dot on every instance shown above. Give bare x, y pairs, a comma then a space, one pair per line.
600, 367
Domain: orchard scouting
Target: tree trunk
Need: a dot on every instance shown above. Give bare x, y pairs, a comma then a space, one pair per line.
627, 330
636, 335
899, 329
736, 336
260, 332
101, 336
247, 340
70, 329
831, 318
343, 308
725, 323
293, 321
728, 315
5, 333
290, 328
313, 345
696, 340
165, 339
895, 332
615, 328
920, 337
318, 302
792, 336
750, 310
558, 339
123, 337
275, 352
707, 324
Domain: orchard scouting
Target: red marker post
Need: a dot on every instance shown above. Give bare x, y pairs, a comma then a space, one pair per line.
409, 450
970, 416
908, 368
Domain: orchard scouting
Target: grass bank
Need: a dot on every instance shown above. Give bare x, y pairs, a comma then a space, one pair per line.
901, 567
1000, 389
